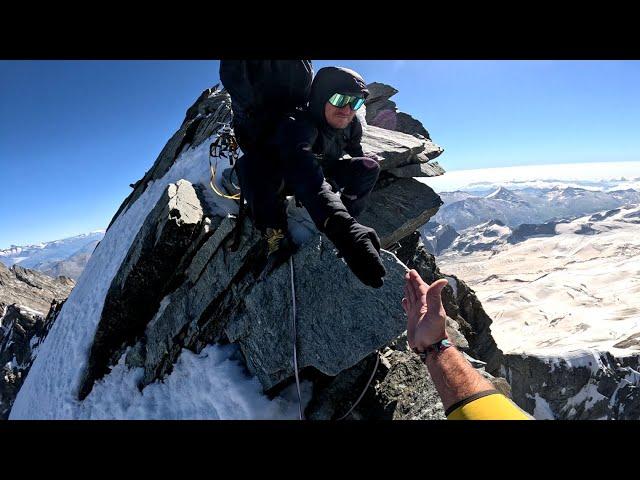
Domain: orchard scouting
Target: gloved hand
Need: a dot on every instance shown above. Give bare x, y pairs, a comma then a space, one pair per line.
360, 247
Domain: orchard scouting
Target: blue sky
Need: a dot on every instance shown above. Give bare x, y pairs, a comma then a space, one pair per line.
75, 134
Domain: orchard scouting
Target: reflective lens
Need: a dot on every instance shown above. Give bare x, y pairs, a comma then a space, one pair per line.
357, 103
339, 100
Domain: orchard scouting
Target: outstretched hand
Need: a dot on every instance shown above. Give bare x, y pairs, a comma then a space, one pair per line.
426, 315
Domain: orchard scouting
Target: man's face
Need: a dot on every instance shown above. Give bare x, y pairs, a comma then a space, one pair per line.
338, 117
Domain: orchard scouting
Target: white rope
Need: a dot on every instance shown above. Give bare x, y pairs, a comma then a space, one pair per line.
295, 336
375, 369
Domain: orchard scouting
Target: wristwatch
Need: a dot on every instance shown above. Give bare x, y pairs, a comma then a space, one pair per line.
436, 347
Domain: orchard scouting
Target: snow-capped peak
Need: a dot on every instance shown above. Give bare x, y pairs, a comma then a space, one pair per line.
503, 194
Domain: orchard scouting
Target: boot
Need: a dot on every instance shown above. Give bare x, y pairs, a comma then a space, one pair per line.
280, 246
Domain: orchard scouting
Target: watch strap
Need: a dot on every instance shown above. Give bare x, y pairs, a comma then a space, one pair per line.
435, 348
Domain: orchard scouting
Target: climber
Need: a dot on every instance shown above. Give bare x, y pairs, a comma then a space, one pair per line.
465, 394
293, 149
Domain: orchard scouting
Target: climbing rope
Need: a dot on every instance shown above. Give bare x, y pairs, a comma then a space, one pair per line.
375, 369
294, 335
225, 146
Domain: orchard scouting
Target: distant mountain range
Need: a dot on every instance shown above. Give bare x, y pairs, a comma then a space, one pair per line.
469, 222
530, 205
66, 257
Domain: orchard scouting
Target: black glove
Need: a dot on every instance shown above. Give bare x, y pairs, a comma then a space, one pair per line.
360, 247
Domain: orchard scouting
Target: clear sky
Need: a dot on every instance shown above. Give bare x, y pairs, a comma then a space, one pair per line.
75, 134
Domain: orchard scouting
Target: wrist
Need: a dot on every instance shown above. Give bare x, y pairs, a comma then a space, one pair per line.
434, 349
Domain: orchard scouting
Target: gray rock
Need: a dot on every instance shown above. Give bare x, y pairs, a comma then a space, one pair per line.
401, 389
587, 229
204, 117
631, 341
144, 277
527, 230
438, 238
31, 289
418, 170
380, 91
25, 298
405, 391
398, 209
335, 326
397, 149
215, 282
22, 331
383, 113
578, 385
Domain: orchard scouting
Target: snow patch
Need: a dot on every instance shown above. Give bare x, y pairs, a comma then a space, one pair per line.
50, 389
587, 396
208, 385
542, 410
31, 311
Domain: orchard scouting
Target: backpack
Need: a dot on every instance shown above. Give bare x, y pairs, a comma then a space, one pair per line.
262, 91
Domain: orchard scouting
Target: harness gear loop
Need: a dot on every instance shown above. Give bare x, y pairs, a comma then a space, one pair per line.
225, 146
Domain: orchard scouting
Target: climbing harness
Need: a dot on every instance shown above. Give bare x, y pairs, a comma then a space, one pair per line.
225, 146
294, 335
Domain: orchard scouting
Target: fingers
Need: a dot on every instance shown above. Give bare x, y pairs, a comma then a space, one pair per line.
375, 240
418, 294
418, 286
434, 297
409, 293
408, 303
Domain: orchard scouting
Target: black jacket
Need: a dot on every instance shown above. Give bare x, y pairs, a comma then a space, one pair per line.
308, 133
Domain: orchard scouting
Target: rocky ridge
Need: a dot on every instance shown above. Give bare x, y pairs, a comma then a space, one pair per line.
25, 297
181, 286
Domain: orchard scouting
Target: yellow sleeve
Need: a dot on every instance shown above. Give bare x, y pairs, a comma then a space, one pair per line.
489, 405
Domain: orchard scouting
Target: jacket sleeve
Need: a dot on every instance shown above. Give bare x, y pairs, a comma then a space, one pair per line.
488, 405
354, 146
295, 138
302, 171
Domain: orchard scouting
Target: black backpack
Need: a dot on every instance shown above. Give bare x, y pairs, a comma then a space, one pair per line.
262, 91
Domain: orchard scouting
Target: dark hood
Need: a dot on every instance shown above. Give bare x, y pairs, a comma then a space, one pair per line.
330, 80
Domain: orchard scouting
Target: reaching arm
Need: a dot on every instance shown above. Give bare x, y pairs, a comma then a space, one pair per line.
293, 144
464, 392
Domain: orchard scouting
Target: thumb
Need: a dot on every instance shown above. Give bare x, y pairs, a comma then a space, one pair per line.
434, 298
375, 240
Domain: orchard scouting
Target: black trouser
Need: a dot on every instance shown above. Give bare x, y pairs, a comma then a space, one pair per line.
265, 180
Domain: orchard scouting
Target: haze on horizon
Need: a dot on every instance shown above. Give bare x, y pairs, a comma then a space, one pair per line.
590, 175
